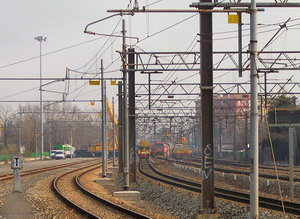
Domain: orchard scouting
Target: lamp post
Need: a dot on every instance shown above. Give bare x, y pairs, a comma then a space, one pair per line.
40, 39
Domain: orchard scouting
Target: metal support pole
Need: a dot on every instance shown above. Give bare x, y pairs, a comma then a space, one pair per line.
149, 90
40, 39
254, 204
104, 133
50, 136
126, 120
131, 96
291, 161
121, 129
234, 138
20, 135
246, 136
207, 154
240, 45
220, 138
266, 93
114, 131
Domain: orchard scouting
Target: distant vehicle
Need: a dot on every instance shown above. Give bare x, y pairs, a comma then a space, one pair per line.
160, 149
59, 154
52, 154
143, 149
180, 151
69, 150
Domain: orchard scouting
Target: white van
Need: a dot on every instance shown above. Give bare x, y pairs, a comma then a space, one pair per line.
52, 154
59, 154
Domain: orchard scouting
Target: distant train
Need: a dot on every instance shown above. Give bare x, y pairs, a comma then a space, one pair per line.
160, 149
181, 151
143, 150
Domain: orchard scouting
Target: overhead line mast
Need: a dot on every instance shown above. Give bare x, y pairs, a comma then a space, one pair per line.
207, 6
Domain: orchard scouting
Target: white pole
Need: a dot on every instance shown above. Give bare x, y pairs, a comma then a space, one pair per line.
254, 201
40, 39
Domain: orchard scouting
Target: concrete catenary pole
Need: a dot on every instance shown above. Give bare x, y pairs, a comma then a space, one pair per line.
131, 111
125, 106
207, 172
121, 129
291, 161
104, 132
254, 210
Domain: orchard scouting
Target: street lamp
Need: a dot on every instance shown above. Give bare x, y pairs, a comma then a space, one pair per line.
40, 39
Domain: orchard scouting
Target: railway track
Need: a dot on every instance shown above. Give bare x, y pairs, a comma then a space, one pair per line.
234, 171
246, 165
269, 203
90, 198
40, 170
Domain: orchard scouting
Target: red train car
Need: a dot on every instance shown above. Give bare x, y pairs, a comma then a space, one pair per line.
160, 149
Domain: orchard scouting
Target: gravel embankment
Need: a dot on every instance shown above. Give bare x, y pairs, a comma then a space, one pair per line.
187, 203
5, 189
46, 204
158, 200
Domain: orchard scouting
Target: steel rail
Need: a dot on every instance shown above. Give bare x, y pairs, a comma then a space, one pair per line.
105, 201
267, 176
54, 187
246, 164
269, 203
40, 170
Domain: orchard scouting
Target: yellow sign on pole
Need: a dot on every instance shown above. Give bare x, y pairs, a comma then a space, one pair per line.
113, 82
233, 18
94, 82
99, 114
92, 102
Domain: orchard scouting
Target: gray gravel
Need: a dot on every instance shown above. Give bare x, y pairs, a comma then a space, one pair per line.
183, 204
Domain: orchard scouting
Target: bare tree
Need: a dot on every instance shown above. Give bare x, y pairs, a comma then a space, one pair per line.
7, 123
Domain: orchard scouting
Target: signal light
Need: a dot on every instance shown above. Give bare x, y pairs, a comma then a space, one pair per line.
246, 95
171, 96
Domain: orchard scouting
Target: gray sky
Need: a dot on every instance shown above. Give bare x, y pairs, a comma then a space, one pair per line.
63, 22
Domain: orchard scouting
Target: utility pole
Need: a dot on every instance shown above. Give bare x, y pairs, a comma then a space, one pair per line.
126, 119
20, 134
113, 124
131, 95
104, 132
207, 205
254, 209
40, 39
234, 137
121, 128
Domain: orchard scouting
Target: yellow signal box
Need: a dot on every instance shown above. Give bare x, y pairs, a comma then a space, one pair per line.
99, 114
94, 82
92, 102
144, 143
233, 18
113, 82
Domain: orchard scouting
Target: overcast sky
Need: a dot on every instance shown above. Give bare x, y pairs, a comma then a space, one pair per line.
63, 22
